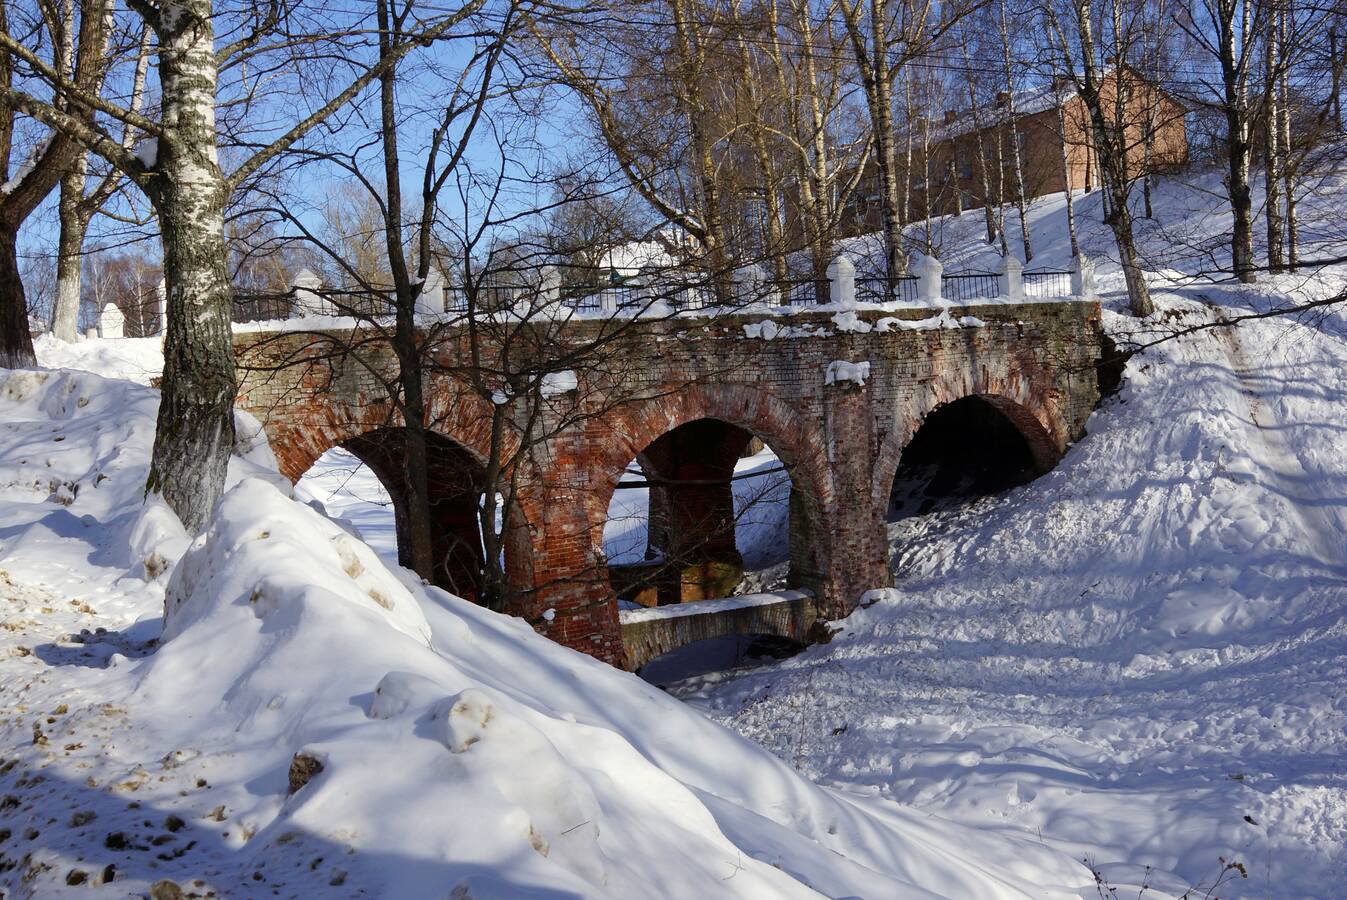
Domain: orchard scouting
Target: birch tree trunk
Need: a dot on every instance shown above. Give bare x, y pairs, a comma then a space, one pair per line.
76, 210
1021, 203
1238, 144
194, 435
872, 52
1066, 179
1272, 152
69, 251
1289, 164
983, 169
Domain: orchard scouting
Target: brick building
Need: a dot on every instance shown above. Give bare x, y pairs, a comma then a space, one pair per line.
947, 176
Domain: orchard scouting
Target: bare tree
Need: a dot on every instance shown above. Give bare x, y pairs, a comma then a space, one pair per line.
1013, 135
1226, 31
76, 208
1105, 94
885, 36
650, 91
77, 63
186, 186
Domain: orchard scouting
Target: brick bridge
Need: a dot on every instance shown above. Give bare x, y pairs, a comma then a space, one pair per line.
837, 397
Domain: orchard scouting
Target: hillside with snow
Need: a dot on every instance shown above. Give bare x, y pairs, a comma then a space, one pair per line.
272, 710
1138, 658
1131, 667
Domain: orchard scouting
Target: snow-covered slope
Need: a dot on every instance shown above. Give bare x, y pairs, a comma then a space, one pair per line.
1138, 658
310, 722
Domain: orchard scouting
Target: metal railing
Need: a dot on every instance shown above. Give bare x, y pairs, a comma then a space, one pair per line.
1047, 283
880, 289
638, 297
806, 291
252, 307
961, 287
259, 306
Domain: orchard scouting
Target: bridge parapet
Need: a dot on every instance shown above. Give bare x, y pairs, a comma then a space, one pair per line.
648, 633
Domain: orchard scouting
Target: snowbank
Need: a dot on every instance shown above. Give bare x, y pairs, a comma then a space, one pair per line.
312, 722
1137, 658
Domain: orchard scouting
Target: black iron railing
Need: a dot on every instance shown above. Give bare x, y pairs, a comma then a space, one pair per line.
255, 307
806, 291
1047, 283
961, 287
879, 289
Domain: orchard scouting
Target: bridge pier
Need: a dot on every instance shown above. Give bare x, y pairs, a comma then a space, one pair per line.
691, 516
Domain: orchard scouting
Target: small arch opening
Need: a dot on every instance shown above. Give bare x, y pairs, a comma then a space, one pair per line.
701, 512
965, 449
361, 480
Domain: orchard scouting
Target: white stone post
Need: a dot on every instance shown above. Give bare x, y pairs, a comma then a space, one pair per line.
111, 322
748, 283
549, 291
550, 285
307, 303
161, 306
1082, 278
431, 299
929, 272
1011, 272
842, 282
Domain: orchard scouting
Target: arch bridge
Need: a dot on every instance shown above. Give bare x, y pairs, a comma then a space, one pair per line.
836, 396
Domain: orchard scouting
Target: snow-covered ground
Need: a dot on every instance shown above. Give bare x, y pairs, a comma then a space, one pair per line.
1139, 658
1136, 660
308, 721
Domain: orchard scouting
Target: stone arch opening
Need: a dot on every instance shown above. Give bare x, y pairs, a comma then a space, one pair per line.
455, 482
695, 511
711, 495
971, 447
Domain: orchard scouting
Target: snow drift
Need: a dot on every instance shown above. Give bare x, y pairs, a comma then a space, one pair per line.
313, 721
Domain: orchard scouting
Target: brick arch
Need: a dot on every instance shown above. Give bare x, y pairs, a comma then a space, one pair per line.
455, 414
1035, 415
632, 428
298, 444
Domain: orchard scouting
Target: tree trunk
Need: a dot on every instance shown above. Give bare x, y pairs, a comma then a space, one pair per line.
69, 252
1272, 153
16, 343
1066, 181
1241, 197
1238, 145
1289, 164
416, 481
1001, 190
194, 436
1335, 77
1120, 220
1109, 142
1021, 202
